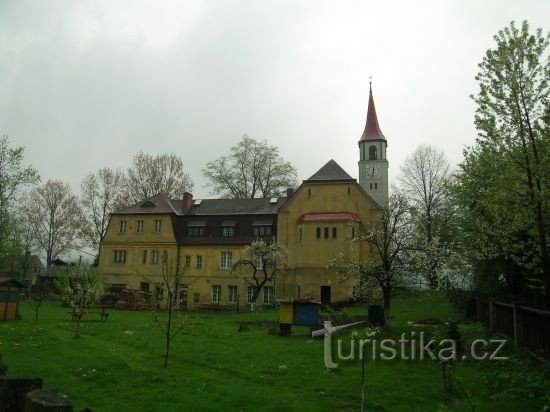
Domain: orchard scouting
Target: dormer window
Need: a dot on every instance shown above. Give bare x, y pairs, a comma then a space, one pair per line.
228, 228
261, 228
228, 231
147, 203
196, 228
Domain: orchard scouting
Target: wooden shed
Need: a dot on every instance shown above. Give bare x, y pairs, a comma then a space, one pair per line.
10, 289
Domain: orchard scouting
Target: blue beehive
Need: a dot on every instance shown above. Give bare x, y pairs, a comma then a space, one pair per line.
306, 312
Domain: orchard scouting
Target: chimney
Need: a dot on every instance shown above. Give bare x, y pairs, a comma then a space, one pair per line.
187, 201
289, 192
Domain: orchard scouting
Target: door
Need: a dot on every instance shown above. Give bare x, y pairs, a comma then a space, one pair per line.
325, 295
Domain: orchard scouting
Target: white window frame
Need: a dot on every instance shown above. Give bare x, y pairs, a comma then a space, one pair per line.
268, 295
216, 293
139, 226
199, 262
154, 257
232, 293
119, 256
158, 226
249, 293
122, 226
258, 261
226, 260
228, 231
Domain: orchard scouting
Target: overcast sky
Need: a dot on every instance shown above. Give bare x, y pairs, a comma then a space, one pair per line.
87, 84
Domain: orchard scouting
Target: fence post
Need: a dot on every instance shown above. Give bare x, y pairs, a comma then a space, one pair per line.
492, 315
516, 323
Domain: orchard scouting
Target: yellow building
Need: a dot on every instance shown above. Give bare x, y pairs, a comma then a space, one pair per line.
203, 238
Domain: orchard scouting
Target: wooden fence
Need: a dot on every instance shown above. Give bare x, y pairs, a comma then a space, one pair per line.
525, 326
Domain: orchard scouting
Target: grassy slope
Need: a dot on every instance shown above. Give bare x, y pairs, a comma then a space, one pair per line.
117, 365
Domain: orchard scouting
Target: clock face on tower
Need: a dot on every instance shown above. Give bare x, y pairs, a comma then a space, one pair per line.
372, 172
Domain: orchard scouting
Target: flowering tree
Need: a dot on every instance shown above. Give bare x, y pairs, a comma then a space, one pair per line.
260, 264
80, 288
390, 239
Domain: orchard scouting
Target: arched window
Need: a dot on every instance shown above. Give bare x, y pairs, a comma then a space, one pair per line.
372, 153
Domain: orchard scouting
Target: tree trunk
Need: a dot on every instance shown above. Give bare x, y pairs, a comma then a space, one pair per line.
386, 292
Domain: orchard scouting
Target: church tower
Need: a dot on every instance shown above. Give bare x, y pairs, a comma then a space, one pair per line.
373, 164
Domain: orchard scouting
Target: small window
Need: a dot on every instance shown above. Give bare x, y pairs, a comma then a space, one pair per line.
119, 256
188, 261
259, 262
326, 233
144, 257
334, 233
228, 231
157, 226
301, 234
250, 294
154, 256
122, 226
372, 153
353, 233
199, 262
159, 292
216, 293
262, 231
196, 297
144, 286
376, 186
195, 231
308, 193
232, 294
139, 226
268, 295
165, 257
225, 260
318, 233
370, 186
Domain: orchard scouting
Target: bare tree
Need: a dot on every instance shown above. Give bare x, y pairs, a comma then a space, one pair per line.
424, 178
99, 194
390, 238
260, 264
253, 169
174, 322
150, 175
53, 213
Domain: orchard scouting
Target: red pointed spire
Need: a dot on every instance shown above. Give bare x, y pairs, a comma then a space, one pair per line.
372, 129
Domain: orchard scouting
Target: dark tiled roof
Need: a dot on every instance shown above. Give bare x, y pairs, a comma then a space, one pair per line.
160, 203
237, 207
331, 171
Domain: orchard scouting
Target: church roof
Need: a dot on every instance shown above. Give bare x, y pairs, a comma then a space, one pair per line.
372, 129
329, 172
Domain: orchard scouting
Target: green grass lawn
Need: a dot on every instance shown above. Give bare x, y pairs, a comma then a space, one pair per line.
117, 365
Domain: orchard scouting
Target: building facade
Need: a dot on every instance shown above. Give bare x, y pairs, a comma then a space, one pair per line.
203, 238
